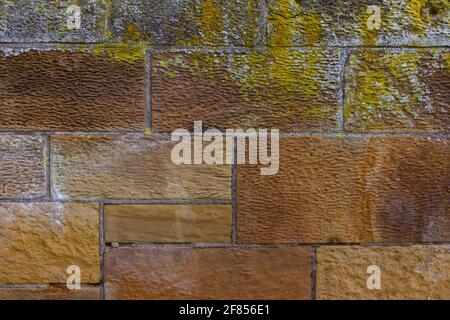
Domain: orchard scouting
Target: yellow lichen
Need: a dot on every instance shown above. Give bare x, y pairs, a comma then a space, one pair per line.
129, 52
417, 15
290, 21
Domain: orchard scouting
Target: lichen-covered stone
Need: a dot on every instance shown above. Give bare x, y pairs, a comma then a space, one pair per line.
397, 90
159, 223
189, 22
288, 89
22, 167
330, 22
46, 21
130, 167
49, 293
39, 241
413, 272
348, 190
98, 88
208, 273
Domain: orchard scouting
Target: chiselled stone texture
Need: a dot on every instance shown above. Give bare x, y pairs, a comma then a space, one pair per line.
413, 272
39, 241
330, 22
90, 89
213, 273
22, 167
130, 167
347, 190
49, 293
289, 89
190, 22
159, 223
46, 21
398, 90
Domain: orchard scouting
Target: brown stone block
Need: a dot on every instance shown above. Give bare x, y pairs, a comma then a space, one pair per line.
159, 223
39, 241
347, 190
22, 167
220, 273
280, 88
415, 272
130, 167
90, 89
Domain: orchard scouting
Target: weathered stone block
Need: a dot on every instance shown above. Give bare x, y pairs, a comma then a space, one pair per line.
159, 223
414, 272
100, 88
190, 22
130, 167
348, 190
397, 90
288, 89
222, 273
22, 167
342, 23
46, 21
39, 241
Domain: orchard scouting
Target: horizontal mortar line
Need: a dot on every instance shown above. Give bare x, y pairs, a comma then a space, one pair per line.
73, 45
45, 285
75, 133
120, 201
268, 245
47, 201
185, 201
282, 134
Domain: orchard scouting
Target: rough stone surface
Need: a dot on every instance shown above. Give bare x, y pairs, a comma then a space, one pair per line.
49, 293
46, 21
397, 90
289, 89
333, 190
329, 22
158, 223
194, 22
89, 89
39, 241
130, 167
187, 273
22, 167
415, 272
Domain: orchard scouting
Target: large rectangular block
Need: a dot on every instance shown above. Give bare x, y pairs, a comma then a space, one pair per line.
22, 167
397, 90
358, 22
89, 89
49, 293
414, 272
47, 21
222, 273
159, 223
130, 167
348, 190
39, 241
190, 22
288, 89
